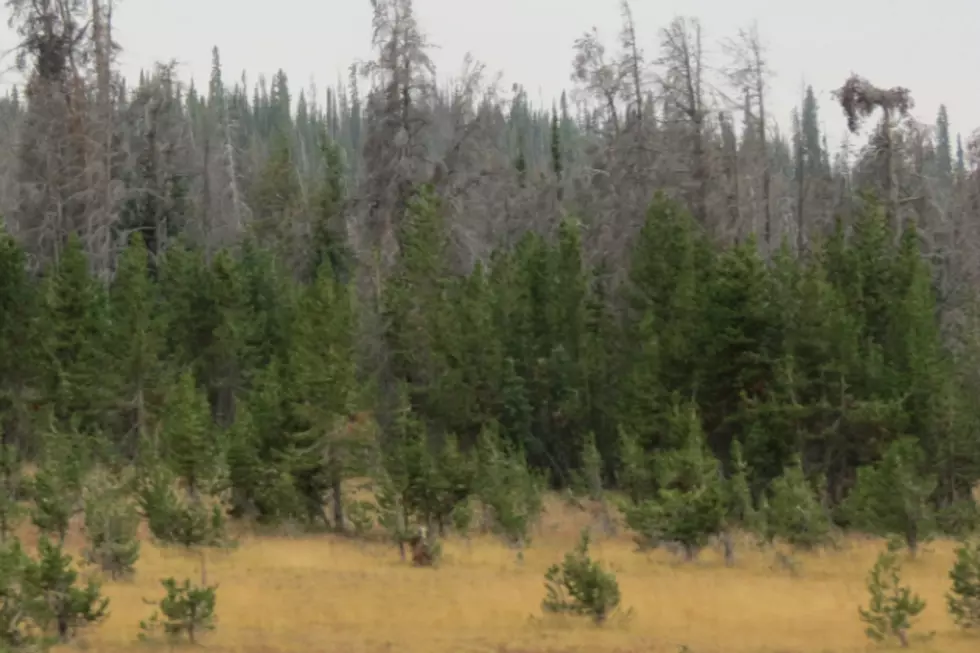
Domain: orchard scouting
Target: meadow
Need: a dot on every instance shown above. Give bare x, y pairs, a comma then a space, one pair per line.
323, 593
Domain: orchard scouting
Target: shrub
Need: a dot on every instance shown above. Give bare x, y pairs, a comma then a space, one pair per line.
892, 606
64, 604
580, 586
186, 610
111, 525
963, 600
361, 515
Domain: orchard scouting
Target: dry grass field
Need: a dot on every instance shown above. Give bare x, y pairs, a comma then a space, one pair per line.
325, 594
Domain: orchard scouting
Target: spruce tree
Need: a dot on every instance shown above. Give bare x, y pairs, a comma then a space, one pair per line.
188, 439
73, 334
691, 498
794, 512
19, 355
325, 448
139, 372
893, 496
944, 145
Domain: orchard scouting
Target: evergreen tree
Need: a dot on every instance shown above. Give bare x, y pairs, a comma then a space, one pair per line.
691, 499
137, 334
892, 497
557, 166
329, 234
944, 145
188, 439
73, 334
19, 356
794, 512
326, 449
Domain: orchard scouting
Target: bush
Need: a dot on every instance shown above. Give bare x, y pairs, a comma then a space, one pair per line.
794, 513
963, 600
111, 525
41, 600
361, 515
892, 606
580, 586
174, 519
186, 610
64, 606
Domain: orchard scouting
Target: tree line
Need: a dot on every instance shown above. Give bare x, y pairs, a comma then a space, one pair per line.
232, 367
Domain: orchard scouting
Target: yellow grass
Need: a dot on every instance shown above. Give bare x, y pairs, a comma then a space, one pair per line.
321, 593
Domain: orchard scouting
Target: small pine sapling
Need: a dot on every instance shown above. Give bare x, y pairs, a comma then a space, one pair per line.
893, 496
509, 489
57, 486
588, 483
361, 515
186, 610
963, 599
893, 605
111, 526
691, 498
66, 605
794, 513
11, 486
453, 480
580, 586
739, 510
175, 520
462, 517
18, 601
391, 512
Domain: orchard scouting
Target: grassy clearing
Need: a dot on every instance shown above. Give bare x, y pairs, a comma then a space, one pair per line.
320, 593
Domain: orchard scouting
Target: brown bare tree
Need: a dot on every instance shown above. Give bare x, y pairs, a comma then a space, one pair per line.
684, 90
750, 73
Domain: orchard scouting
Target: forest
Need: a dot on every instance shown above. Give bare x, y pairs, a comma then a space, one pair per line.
409, 313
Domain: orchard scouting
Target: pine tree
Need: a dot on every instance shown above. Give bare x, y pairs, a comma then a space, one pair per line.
893, 496
19, 356
188, 439
743, 339
893, 605
944, 145
73, 330
421, 329
810, 126
691, 498
326, 449
329, 233
276, 195
557, 166
670, 266
139, 371
794, 512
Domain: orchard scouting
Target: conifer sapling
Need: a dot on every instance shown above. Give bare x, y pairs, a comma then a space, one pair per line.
893, 606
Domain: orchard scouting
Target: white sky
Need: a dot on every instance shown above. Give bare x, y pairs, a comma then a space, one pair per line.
928, 47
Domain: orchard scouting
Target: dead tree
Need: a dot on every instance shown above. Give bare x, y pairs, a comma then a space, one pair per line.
631, 66
600, 78
683, 85
750, 73
859, 99
399, 117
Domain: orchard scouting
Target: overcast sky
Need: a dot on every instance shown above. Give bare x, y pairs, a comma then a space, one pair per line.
928, 47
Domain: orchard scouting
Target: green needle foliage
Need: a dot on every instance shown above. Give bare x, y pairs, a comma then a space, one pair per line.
963, 599
580, 586
893, 606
